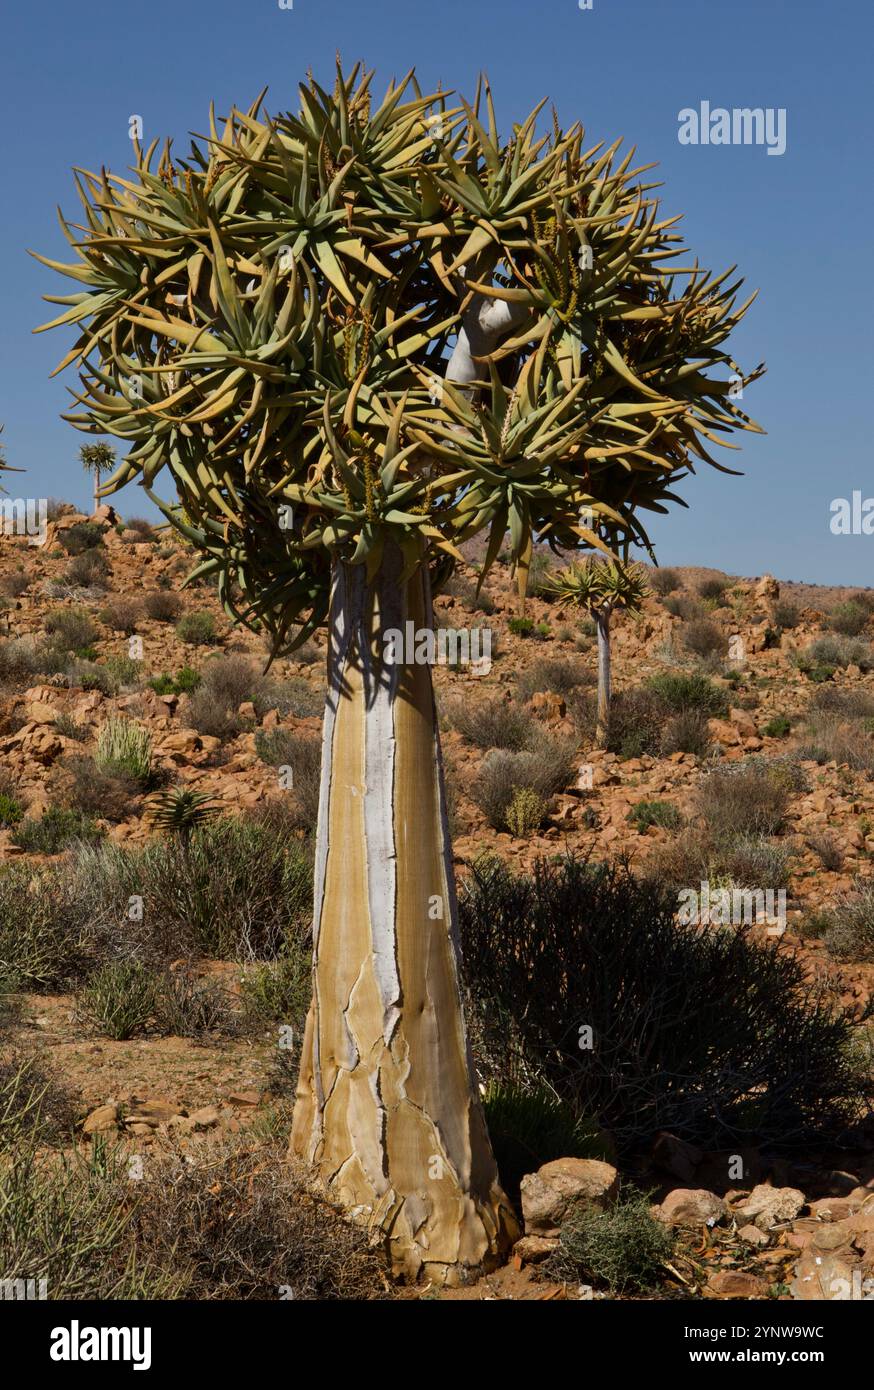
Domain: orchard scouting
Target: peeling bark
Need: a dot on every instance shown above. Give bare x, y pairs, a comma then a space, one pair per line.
387, 1109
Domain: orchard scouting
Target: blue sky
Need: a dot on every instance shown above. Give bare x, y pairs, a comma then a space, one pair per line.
799, 226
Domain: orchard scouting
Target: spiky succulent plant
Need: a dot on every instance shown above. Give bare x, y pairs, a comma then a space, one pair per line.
272, 320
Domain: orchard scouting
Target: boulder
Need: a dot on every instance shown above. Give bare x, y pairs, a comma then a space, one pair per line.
530, 1250
557, 1187
101, 1120
692, 1206
820, 1277
735, 1283
767, 1206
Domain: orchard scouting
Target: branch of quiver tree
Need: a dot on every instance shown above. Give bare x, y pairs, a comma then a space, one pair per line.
387, 1106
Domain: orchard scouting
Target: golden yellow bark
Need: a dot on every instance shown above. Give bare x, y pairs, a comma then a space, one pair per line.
387, 1108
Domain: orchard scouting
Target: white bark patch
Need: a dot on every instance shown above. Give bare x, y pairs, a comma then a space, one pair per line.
380, 692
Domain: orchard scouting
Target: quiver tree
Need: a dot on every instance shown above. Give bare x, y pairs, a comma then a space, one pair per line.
97, 459
599, 587
354, 338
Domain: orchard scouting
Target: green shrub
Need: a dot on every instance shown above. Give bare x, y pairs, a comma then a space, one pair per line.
186, 1007
521, 627
705, 639
24, 657
56, 829
743, 861
11, 810
231, 891
44, 927
71, 628
830, 853
279, 991
661, 813
684, 606
678, 691
298, 698
183, 683
33, 1107
303, 755
79, 782
226, 683
624, 1248
787, 615
832, 652
525, 813
122, 615
198, 629
848, 929
89, 675
849, 619
124, 747
560, 677
14, 585
67, 1218
493, 723
544, 769
162, 606
745, 798
68, 728
686, 732
778, 727
85, 535
664, 581
636, 720
530, 1125
764, 1058
89, 570
119, 999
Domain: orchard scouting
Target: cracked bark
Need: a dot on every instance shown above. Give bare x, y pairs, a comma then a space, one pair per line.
387, 1109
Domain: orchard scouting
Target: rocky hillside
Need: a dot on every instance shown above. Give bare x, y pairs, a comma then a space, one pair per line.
740, 756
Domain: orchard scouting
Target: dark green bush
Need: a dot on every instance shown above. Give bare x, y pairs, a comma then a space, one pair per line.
85, 535
679, 691
57, 828
693, 1030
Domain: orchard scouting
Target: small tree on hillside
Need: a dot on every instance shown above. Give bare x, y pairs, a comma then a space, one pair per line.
354, 337
599, 587
97, 459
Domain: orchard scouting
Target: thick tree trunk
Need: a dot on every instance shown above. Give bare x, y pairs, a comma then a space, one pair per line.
602, 622
387, 1108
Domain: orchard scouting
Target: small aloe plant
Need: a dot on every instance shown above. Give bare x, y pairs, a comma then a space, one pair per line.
180, 811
